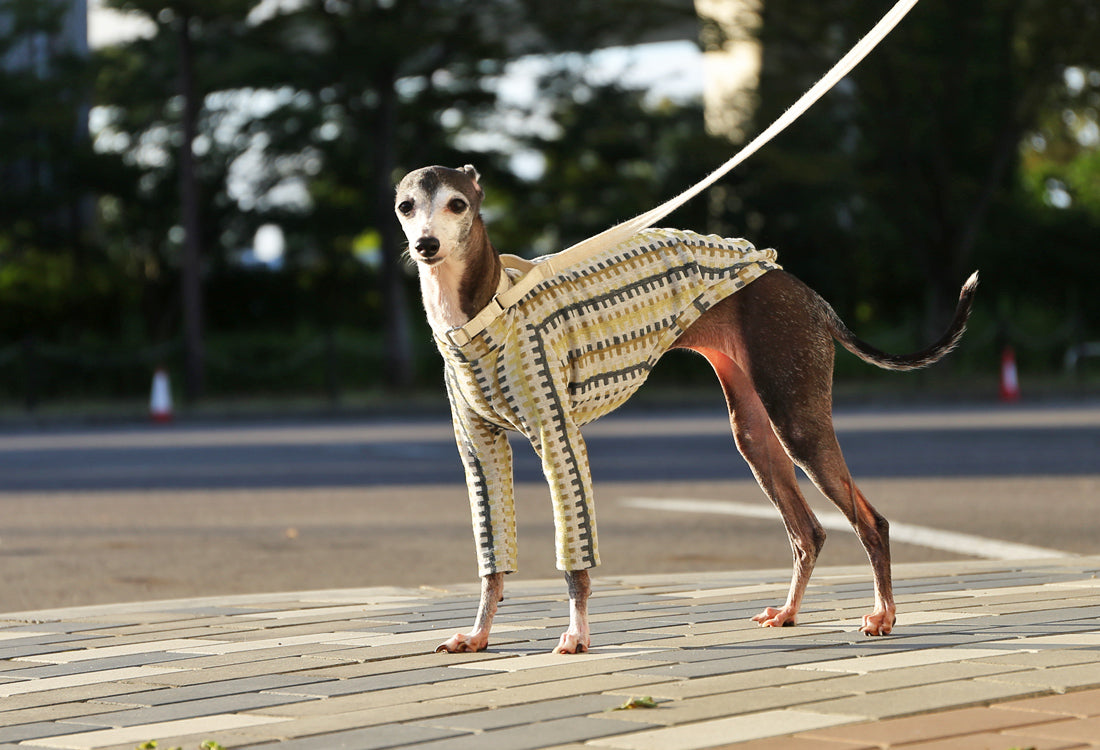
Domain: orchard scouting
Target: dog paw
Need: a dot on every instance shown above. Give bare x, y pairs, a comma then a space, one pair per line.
459, 644
878, 623
774, 618
571, 643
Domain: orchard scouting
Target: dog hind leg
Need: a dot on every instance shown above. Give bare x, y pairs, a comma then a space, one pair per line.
823, 462
774, 471
789, 351
776, 338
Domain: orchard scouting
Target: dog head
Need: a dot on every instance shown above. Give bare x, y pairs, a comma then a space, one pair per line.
437, 207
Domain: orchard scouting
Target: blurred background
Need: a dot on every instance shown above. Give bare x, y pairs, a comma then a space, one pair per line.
206, 185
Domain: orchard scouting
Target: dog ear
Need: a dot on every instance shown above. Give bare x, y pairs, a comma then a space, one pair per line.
470, 171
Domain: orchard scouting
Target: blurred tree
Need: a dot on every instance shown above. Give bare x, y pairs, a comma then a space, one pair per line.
203, 34
1062, 153
382, 87
53, 278
363, 82
890, 183
1060, 203
611, 154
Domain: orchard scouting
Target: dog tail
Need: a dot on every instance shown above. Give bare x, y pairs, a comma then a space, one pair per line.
934, 353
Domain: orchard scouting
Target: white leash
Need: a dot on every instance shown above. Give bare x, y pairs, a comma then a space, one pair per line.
627, 229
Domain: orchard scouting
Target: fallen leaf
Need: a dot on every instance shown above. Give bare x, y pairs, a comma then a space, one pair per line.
643, 702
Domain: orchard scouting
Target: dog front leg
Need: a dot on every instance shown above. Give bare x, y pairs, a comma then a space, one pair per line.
576, 639
492, 591
565, 464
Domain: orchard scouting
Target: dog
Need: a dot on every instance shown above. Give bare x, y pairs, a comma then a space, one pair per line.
578, 343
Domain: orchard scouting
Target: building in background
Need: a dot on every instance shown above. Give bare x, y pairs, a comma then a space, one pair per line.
39, 38
35, 51
731, 64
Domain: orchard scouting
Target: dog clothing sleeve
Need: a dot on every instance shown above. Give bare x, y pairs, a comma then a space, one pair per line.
564, 458
574, 348
487, 461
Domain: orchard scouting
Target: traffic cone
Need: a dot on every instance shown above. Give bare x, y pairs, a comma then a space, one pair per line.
1010, 383
160, 400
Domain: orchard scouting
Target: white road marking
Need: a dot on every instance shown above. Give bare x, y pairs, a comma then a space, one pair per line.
950, 541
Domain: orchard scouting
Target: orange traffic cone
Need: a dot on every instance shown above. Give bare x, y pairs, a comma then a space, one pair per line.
1010, 383
160, 400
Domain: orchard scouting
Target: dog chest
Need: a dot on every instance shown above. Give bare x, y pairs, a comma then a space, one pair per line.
582, 342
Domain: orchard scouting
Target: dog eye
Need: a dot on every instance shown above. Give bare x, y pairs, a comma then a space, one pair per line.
457, 205
405, 207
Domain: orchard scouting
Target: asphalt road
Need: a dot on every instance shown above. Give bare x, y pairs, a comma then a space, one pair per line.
147, 512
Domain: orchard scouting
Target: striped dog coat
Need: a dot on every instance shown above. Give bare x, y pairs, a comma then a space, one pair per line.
574, 348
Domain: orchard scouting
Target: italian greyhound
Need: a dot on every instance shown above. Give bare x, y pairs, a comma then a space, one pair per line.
770, 344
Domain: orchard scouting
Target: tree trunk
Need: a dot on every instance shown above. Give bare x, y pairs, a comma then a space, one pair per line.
398, 346
194, 352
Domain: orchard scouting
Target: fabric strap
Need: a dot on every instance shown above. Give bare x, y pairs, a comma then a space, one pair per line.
509, 293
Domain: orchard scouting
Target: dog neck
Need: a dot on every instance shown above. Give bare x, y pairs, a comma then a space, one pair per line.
457, 288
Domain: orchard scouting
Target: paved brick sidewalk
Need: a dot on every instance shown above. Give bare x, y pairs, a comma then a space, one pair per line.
986, 655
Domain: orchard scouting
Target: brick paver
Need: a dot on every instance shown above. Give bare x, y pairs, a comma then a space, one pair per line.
985, 654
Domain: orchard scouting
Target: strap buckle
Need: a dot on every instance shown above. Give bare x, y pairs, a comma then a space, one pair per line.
492, 310
458, 337
462, 335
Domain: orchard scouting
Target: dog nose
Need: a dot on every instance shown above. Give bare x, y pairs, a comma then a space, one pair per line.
427, 246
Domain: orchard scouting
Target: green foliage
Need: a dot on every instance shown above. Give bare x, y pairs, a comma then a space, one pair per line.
903, 179
644, 701
614, 155
967, 140
1061, 157
55, 295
